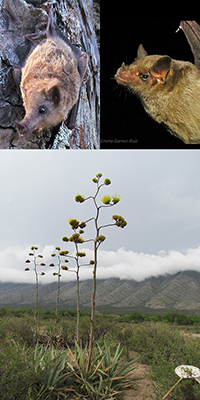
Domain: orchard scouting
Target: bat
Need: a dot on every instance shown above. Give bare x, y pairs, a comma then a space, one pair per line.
51, 80
168, 89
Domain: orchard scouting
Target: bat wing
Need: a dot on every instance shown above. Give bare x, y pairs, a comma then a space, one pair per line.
82, 66
192, 33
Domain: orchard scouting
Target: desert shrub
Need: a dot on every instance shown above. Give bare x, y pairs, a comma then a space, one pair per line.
102, 329
3, 312
19, 330
48, 314
68, 329
17, 372
164, 347
125, 338
180, 319
135, 317
32, 373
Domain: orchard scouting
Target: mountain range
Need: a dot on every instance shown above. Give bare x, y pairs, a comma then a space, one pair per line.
178, 292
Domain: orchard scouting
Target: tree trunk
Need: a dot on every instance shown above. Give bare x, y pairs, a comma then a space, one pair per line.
75, 20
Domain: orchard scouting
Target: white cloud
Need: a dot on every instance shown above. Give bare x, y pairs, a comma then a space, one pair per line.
12, 264
121, 264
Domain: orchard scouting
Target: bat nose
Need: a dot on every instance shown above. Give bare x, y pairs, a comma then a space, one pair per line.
123, 74
21, 127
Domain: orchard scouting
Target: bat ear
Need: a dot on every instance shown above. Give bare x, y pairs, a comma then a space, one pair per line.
141, 52
161, 68
52, 91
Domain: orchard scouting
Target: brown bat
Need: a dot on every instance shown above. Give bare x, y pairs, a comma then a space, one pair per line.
169, 89
51, 80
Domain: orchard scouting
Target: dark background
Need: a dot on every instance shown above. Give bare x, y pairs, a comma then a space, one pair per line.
124, 123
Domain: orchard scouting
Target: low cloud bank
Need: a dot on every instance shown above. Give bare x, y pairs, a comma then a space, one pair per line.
129, 265
121, 264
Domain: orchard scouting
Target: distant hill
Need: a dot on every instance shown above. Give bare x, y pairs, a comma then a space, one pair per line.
177, 292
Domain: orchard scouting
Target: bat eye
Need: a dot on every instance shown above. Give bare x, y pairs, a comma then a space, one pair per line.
144, 77
42, 110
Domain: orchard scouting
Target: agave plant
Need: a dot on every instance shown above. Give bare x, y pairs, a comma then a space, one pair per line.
52, 368
102, 378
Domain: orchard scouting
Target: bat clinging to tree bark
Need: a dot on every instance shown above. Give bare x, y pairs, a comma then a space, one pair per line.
51, 80
169, 89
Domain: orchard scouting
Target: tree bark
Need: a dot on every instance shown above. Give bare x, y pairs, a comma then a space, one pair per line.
75, 20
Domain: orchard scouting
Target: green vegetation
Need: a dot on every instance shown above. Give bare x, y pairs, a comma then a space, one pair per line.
135, 317
46, 364
50, 366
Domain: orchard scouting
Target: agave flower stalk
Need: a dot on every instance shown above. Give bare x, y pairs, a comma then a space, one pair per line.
107, 201
77, 239
34, 260
78, 296
59, 253
58, 274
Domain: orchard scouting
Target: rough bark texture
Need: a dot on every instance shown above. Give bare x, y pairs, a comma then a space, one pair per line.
76, 21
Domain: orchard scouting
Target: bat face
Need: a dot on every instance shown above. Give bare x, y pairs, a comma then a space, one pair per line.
144, 74
43, 108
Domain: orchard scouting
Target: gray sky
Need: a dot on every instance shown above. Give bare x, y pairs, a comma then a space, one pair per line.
160, 199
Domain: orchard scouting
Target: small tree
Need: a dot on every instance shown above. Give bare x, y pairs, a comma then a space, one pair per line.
119, 221
34, 260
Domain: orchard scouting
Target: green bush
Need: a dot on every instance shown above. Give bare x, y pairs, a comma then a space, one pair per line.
16, 371
164, 347
20, 330
32, 373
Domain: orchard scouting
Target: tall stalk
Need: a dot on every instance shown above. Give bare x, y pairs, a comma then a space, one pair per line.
58, 274
78, 297
58, 296
119, 221
34, 260
91, 342
77, 239
37, 282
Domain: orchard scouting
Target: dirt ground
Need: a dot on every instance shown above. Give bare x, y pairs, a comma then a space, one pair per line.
143, 389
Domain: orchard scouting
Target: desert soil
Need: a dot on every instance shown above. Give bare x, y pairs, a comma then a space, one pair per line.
142, 389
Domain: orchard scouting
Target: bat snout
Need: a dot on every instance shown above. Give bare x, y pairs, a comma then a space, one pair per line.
124, 75
21, 127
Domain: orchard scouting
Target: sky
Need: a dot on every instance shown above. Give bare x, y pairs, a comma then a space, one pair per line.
159, 198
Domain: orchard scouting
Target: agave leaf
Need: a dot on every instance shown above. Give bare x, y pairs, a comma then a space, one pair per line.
74, 358
54, 376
